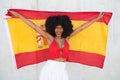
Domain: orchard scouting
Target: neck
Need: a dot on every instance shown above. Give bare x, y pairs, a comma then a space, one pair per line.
58, 37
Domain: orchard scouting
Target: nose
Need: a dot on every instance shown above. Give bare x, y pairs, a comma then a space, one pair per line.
59, 29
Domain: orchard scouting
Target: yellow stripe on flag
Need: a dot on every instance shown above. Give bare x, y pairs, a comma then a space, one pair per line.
92, 39
25, 39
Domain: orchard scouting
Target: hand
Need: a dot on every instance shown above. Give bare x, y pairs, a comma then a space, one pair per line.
100, 15
11, 12
14, 13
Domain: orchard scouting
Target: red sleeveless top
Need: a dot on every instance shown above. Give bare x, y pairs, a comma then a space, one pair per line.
54, 50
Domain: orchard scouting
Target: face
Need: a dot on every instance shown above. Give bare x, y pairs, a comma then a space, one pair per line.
58, 31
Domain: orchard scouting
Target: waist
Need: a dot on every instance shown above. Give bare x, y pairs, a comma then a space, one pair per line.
56, 62
60, 59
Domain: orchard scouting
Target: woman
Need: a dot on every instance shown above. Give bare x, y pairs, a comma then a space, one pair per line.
58, 32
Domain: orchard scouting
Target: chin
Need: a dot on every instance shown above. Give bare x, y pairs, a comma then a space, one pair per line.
58, 35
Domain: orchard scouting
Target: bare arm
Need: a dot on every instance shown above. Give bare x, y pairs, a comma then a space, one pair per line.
31, 24
85, 25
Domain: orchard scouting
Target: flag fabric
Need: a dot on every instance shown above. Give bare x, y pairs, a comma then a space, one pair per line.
87, 47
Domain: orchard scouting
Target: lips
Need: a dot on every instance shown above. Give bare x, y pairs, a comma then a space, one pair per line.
58, 33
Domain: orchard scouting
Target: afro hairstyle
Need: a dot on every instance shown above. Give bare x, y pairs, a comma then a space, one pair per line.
63, 20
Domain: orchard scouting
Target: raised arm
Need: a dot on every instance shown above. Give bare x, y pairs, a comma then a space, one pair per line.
85, 25
31, 24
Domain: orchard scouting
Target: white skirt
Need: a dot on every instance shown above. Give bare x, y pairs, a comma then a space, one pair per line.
54, 70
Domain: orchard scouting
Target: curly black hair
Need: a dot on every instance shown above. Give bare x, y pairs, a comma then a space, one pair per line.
63, 20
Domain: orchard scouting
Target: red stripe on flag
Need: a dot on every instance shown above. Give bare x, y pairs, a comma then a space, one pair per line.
85, 16
28, 58
91, 59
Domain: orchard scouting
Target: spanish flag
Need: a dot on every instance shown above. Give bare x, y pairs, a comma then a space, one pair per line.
87, 47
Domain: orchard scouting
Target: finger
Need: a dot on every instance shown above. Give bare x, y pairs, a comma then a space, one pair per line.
101, 13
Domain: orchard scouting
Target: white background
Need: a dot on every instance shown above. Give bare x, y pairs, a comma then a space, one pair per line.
111, 70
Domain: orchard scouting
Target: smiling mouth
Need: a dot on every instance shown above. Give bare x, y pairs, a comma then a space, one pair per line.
59, 33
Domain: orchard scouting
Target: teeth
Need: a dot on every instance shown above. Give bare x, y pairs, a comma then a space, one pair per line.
59, 33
